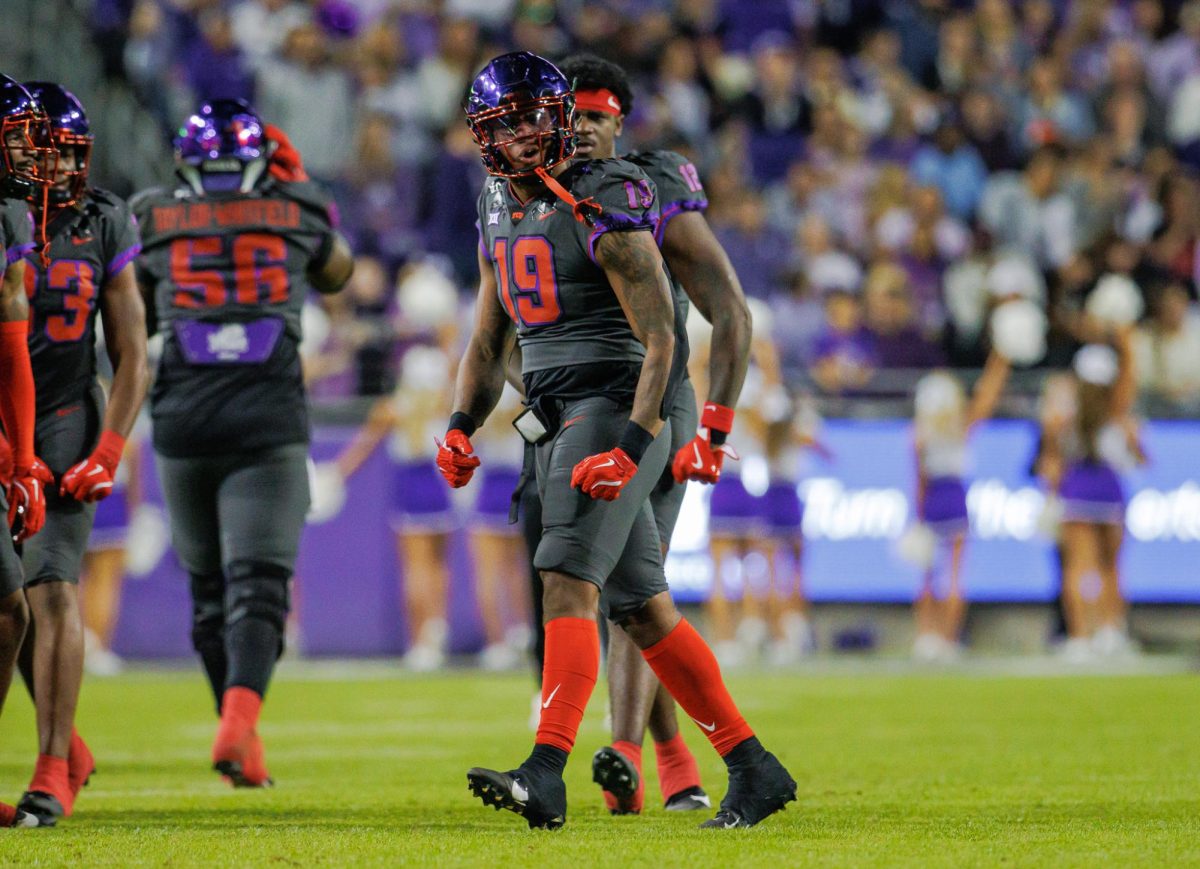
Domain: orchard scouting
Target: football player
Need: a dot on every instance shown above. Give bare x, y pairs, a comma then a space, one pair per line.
703, 275
228, 255
83, 265
567, 254
24, 140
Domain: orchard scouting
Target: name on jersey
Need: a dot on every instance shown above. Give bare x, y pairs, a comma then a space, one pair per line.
244, 212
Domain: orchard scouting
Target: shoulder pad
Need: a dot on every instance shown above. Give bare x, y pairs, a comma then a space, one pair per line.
594, 174
143, 198
304, 192
658, 159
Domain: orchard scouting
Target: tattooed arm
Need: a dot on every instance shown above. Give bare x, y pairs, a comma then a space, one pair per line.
635, 269
481, 372
700, 263
14, 304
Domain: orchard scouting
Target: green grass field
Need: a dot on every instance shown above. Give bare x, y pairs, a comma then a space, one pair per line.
949, 770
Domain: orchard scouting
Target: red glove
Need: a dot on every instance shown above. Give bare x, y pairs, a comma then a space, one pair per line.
700, 460
456, 459
285, 163
27, 500
92, 479
604, 475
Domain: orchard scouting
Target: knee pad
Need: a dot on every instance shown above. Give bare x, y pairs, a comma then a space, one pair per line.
208, 608
257, 589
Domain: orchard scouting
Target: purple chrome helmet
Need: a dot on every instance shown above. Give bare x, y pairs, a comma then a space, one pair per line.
70, 130
222, 148
23, 129
520, 97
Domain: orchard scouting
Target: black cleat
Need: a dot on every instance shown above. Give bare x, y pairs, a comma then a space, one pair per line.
232, 772
25, 819
44, 808
539, 799
615, 773
688, 800
756, 791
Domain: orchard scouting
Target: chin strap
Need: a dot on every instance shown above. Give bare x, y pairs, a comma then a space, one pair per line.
42, 226
585, 210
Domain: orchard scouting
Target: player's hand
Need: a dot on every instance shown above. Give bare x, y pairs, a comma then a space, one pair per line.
285, 163
27, 500
699, 460
89, 481
456, 459
604, 475
92, 479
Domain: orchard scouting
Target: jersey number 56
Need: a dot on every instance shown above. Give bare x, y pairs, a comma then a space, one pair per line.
259, 270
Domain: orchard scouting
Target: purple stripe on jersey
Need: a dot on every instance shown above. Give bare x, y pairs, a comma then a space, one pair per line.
123, 259
482, 247
616, 223
335, 215
17, 252
674, 209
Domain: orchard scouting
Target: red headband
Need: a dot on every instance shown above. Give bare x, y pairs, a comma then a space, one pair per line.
602, 100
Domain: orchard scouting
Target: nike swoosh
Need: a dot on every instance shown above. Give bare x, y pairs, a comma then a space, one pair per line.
518, 791
709, 727
607, 464
698, 464
547, 214
546, 702
86, 240
572, 421
607, 483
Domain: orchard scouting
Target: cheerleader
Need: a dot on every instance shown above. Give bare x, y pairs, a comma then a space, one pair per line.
1087, 447
791, 429
498, 548
944, 420
103, 571
412, 419
736, 525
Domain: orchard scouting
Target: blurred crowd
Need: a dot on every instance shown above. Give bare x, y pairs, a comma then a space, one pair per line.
880, 171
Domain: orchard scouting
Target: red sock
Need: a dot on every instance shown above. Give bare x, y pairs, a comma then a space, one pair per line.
568, 677
686, 665
239, 716
8, 815
50, 777
242, 703
633, 754
677, 770
80, 763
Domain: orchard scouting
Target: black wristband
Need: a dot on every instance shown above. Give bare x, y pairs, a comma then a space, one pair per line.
716, 437
462, 422
635, 441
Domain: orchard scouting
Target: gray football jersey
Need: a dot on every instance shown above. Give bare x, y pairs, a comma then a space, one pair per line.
227, 276
544, 258
679, 189
16, 231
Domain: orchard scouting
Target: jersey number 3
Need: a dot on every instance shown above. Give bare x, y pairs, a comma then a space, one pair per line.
76, 281
528, 286
259, 270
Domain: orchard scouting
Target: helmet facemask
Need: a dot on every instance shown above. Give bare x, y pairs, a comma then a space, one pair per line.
30, 175
79, 146
545, 123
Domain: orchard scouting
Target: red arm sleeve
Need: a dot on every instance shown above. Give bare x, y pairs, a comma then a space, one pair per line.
17, 402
